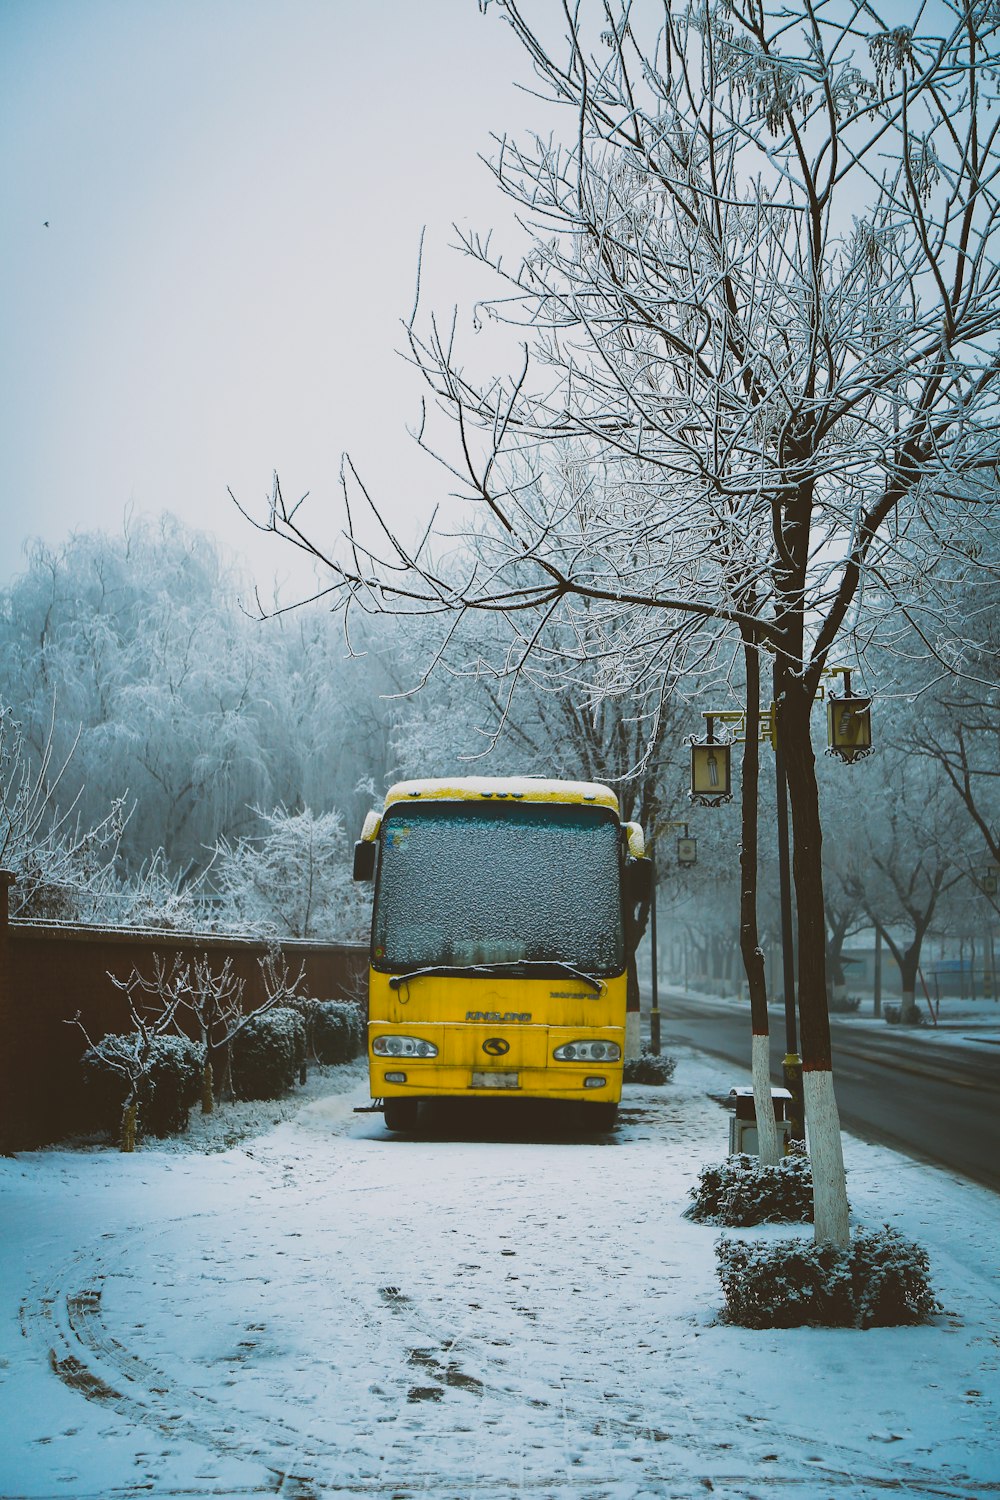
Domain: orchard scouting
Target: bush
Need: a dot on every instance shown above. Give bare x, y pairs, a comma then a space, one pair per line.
742, 1191
337, 1030
651, 1067
881, 1281
893, 1014
175, 1084
171, 1085
268, 1053
891, 1280
844, 1005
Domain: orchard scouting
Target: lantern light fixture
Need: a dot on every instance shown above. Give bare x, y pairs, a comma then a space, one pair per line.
711, 768
848, 722
687, 850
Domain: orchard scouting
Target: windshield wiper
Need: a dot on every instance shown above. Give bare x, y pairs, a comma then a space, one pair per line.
597, 985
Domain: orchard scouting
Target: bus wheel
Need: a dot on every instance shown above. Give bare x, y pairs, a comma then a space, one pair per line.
400, 1114
603, 1116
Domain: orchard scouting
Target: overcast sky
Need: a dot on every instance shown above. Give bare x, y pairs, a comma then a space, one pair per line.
234, 192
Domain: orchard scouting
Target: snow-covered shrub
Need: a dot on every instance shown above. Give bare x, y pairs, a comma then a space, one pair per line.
785, 1283
650, 1067
168, 1086
893, 1014
881, 1281
336, 1029
174, 1082
741, 1190
891, 1279
268, 1053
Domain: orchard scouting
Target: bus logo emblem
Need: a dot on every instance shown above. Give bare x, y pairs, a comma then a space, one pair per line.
495, 1046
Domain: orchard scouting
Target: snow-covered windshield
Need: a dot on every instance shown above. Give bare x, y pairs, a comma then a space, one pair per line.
479, 883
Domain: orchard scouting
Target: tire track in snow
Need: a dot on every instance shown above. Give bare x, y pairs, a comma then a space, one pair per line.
68, 1314
490, 1362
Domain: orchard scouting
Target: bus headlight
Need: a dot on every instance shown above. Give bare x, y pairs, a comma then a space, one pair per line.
588, 1052
403, 1046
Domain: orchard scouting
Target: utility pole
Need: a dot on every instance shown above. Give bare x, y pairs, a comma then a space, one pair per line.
654, 1014
791, 1067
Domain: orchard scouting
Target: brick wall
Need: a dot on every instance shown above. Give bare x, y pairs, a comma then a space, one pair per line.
49, 973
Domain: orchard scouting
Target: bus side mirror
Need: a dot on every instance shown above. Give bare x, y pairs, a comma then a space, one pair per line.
638, 880
364, 860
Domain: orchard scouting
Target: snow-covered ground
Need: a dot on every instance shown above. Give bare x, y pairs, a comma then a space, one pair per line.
322, 1308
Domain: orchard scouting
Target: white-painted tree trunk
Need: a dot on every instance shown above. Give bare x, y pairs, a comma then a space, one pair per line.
908, 1007
633, 1035
832, 1215
767, 1132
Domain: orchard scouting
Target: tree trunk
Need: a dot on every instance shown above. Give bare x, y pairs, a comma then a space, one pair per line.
753, 957
907, 962
835, 960
225, 1089
633, 1013
207, 1095
908, 965
832, 1212
130, 1118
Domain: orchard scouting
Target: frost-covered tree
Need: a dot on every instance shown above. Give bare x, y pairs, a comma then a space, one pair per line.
762, 287
131, 637
63, 867
294, 880
905, 868
953, 721
175, 703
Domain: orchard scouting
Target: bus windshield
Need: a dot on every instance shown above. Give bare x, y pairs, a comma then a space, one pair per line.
464, 884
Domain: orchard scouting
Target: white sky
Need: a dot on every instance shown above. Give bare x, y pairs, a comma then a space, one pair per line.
234, 191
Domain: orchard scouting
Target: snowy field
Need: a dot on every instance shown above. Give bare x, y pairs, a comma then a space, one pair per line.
323, 1309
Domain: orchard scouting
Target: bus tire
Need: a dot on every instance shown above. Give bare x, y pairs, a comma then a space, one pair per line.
400, 1114
600, 1117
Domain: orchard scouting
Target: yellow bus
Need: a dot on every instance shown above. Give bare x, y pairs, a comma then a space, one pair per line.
500, 931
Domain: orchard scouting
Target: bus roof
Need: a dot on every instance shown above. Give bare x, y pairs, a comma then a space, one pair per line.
486, 788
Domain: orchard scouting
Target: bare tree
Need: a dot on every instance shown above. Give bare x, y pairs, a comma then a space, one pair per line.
215, 1002
761, 294
132, 1055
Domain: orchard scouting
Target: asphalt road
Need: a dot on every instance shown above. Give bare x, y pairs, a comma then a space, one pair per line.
935, 1101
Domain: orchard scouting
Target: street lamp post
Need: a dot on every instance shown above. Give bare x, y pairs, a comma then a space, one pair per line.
791, 1066
988, 884
849, 737
687, 855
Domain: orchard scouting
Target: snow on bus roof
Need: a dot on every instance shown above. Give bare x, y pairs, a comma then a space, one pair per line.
526, 788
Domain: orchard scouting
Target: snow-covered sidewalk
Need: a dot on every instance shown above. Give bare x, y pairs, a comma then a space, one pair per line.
326, 1309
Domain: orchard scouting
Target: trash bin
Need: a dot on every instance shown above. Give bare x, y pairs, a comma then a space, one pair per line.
743, 1125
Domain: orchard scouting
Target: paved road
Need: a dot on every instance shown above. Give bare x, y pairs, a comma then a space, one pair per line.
935, 1101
